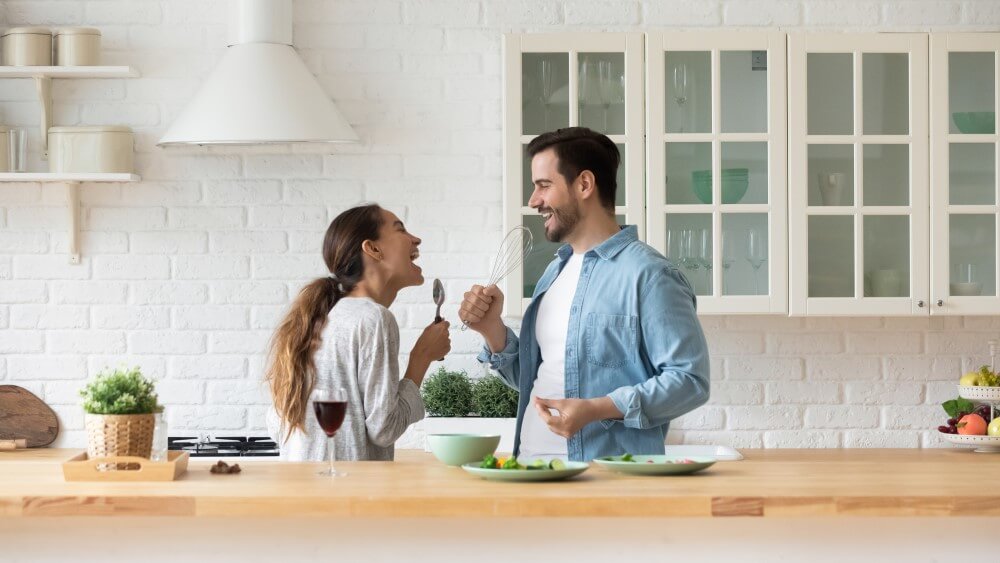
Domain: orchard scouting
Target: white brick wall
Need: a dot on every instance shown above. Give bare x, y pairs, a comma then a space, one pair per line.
187, 272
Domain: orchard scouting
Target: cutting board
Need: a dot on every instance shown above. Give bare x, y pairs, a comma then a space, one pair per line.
23, 415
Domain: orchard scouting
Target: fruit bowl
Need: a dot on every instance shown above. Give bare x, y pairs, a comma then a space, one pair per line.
972, 122
734, 184
984, 444
979, 393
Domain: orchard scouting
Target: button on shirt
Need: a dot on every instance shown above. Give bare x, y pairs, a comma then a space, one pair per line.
537, 441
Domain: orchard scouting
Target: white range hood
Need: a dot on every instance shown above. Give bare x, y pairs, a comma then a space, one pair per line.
261, 92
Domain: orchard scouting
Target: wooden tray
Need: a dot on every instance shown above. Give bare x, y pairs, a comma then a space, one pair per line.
81, 468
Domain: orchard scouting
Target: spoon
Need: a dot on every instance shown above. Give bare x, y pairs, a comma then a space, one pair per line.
438, 294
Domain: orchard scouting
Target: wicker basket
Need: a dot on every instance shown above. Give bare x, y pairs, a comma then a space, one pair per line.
110, 435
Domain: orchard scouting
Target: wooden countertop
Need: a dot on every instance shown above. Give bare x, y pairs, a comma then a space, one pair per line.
783, 483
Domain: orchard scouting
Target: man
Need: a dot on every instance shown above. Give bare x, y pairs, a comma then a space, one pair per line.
610, 349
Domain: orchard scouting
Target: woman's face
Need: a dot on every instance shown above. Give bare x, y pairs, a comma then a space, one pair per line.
398, 251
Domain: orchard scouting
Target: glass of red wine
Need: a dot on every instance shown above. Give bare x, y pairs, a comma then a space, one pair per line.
330, 406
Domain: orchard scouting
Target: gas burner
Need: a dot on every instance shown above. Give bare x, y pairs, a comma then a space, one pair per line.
224, 446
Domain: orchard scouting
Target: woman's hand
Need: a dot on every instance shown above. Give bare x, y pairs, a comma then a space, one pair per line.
434, 343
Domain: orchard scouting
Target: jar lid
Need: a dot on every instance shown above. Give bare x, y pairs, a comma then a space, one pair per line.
91, 129
27, 31
76, 31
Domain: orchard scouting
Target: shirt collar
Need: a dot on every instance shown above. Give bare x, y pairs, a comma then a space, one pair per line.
609, 248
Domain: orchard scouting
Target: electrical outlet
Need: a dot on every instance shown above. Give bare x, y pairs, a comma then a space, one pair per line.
758, 60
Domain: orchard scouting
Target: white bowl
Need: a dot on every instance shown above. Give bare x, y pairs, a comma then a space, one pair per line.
966, 288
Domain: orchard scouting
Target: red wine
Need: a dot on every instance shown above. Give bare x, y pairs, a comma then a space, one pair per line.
330, 415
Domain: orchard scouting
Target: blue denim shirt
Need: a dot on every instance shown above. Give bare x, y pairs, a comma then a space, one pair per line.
633, 335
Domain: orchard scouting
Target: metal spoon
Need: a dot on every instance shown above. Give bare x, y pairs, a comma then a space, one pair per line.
438, 294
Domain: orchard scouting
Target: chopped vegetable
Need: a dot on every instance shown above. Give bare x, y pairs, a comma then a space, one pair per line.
627, 457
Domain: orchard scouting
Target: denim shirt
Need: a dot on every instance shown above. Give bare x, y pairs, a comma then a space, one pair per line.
633, 336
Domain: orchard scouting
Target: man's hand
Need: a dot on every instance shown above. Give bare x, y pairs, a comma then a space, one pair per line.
480, 309
574, 414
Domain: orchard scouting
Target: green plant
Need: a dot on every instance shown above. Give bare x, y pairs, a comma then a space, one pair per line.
447, 393
120, 391
493, 398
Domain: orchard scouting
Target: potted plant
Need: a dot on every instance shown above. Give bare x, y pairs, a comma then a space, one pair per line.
457, 404
120, 406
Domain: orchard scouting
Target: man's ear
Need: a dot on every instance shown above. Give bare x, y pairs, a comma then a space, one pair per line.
369, 248
586, 184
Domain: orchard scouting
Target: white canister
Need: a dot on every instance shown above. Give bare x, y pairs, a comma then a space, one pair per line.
77, 46
101, 148
27, 46
4, 148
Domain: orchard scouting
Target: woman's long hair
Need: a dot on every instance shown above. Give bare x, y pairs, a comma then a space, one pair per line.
291, 373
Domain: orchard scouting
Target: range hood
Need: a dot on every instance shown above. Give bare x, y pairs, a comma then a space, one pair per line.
261, 92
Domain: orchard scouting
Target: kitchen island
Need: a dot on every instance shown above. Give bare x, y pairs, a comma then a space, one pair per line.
919, 501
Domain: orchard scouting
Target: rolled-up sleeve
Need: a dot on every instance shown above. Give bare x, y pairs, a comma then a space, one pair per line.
673, 343
505, 362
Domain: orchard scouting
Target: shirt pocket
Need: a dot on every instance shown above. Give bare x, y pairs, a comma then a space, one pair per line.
610, 339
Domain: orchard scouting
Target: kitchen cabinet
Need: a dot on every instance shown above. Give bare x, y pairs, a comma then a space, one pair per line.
564, 80
715, 186
858, 188
862, 181
965, 202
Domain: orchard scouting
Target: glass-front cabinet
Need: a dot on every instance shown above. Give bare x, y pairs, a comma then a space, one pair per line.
562, 80
965, 204
858, 186
716, 190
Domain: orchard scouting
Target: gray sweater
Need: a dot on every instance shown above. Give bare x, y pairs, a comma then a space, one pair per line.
359, 351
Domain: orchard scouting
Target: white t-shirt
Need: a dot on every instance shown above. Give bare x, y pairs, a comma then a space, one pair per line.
551, 325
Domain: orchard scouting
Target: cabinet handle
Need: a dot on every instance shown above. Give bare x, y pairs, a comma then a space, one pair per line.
940, 302
920, 303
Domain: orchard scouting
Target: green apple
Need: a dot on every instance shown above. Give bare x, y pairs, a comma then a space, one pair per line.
994, 428
970, 379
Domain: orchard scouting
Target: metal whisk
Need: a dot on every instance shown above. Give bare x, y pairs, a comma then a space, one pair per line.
513, 248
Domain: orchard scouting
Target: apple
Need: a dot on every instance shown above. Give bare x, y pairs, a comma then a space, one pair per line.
970, 379
972, 425
994, 428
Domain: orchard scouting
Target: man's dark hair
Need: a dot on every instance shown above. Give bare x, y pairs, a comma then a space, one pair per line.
579, 149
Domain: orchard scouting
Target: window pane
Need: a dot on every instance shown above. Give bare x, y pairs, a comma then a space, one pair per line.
886, 175
886, 93
744, 91
831, 256
689, 168
544, 92
830, 93
831, 175
972, 92
887, 256
689, 91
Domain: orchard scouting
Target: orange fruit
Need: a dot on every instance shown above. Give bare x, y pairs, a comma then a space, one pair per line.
972, 425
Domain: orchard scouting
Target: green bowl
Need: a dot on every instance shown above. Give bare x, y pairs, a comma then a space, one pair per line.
734, 184
973, 122
457, 449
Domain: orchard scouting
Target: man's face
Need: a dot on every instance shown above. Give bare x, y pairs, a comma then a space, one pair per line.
555, 199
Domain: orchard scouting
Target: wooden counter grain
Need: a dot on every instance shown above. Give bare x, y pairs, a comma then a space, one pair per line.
784, 483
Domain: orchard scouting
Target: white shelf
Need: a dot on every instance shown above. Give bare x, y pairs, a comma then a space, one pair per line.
67, 177
68, 72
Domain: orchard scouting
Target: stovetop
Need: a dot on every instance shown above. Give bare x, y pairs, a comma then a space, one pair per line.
224, 446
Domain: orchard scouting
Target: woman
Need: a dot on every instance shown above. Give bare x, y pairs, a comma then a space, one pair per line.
340, 333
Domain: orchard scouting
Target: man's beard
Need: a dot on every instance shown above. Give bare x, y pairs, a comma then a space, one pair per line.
564, 221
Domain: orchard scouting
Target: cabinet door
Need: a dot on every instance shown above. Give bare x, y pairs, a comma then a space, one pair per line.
965, 204
716, 190
858, 190
563, 80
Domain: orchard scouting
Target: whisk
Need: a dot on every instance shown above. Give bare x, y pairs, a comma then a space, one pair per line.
513, 248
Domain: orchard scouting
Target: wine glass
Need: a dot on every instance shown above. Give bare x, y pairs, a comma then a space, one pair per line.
607, 88
330, 406
688, 251
756, 255
704, 243
590, 87
680, 77
547, 83
728, 258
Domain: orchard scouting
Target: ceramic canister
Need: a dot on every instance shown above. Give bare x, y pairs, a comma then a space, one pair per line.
27, 46
101, 148
77, 46
4, 148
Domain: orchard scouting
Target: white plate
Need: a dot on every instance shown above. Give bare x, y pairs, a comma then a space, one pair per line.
979, 393
986, 444
721, 453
